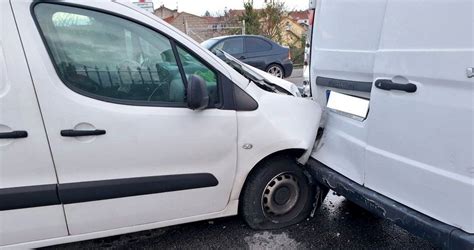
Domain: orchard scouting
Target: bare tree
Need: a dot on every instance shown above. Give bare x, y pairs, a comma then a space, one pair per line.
271, 18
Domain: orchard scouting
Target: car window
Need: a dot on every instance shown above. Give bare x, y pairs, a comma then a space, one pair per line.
104, 56
254, 44
192, 66
232, 46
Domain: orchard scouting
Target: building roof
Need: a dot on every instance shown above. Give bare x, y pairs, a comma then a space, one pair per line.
299, 15
163, 7
215, 19
170, 19
236, 13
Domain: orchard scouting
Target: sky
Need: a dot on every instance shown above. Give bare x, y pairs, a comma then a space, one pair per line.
199, 7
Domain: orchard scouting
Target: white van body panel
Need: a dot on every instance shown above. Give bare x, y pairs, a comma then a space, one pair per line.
273, 128
108, 157
421, 144
26, 161
345, 38
172, 135
415, 148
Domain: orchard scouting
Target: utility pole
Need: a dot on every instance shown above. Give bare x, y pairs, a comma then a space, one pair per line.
243, 27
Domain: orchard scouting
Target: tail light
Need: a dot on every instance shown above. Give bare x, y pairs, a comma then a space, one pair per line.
289, 54
311, 17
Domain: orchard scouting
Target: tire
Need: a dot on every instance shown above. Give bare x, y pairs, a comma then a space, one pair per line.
290, 199
276, 70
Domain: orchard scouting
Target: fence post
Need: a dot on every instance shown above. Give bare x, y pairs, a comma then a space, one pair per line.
186, 26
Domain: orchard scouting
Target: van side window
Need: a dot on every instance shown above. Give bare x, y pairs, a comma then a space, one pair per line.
110, 58
192, 66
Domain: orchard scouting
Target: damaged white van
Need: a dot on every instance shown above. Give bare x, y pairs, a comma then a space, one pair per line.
112, 121
396, 78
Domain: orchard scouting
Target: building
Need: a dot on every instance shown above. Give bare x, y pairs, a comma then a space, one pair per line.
301, 17
293, 27
200, 28
293, 33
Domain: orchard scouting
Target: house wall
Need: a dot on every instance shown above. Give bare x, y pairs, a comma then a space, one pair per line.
195, 26
164, 12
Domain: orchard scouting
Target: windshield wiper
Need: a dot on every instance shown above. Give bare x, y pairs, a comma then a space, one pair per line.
250, 75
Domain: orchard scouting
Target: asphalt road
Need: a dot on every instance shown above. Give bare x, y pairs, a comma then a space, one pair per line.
296, 77
337, 224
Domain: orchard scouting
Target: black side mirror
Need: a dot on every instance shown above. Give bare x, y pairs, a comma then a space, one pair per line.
197, 95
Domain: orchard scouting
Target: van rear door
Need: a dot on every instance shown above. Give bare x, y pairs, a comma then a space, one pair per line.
345, 38
29, 206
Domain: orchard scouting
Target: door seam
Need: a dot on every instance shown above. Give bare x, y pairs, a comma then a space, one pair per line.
41, 114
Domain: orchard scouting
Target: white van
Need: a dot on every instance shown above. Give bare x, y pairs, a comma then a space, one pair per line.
111, 121
395, 78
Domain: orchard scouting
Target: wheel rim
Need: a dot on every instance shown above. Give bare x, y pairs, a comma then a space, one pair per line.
280, 195
276, 71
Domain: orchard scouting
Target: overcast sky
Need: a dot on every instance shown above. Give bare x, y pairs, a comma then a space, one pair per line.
199, 7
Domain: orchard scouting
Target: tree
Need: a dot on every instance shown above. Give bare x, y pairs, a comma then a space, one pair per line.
207, 13
272, 17
251, 18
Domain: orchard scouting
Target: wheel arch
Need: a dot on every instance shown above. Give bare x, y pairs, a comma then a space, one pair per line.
238, 185
292, 152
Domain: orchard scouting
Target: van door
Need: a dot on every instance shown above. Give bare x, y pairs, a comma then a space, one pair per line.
127, 149
420, 136
29, 206
345, 38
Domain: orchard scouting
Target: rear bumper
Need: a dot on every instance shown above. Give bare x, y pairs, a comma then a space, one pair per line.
288, 68
442, 234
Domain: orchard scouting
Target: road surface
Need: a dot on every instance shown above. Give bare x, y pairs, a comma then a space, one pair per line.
338, 224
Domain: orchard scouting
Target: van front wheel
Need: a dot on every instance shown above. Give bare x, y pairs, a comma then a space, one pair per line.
277, 194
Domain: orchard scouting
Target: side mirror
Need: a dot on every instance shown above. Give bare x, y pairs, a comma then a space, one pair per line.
196, 93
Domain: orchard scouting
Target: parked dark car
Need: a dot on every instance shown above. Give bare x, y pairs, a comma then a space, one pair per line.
257, 51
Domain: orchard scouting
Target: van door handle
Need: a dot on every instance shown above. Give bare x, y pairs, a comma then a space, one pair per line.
386, 84
77, 133
14, 134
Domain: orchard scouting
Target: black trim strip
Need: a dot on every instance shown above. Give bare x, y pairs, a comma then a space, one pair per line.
30, 196
46, 195
437, 232
344, 84
118, 188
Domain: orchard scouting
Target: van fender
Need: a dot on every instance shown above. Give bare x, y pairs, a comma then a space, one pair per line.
280, 123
